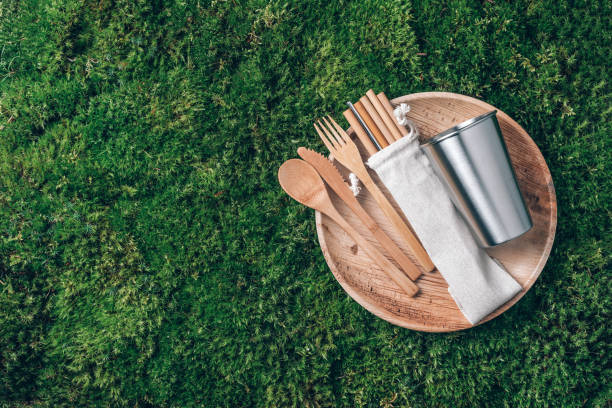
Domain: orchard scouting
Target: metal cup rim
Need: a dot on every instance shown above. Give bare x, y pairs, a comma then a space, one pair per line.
455, 130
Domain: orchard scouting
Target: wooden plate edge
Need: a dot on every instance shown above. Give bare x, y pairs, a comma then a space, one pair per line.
391, 318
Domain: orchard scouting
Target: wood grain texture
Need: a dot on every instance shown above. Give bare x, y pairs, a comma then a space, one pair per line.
380, 124
387, 105
302, 182
361, 134
433, 309
347, 153
367, 119
335, 181
384, 115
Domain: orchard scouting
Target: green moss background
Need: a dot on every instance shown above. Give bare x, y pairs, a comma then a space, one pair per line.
149, 258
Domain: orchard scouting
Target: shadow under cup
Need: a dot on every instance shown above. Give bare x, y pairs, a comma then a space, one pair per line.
472, 161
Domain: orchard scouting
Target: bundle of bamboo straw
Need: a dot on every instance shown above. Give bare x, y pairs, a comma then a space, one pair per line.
373, 121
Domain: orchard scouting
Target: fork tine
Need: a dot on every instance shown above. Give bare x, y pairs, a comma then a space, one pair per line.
337, 137
332, 138
324, 139
341, 131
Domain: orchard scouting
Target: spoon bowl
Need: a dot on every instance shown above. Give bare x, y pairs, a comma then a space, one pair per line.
302, 182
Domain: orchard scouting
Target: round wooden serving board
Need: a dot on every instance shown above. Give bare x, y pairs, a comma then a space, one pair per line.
433, 309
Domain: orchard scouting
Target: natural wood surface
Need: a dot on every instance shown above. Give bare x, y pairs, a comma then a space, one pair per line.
433, 309
335, 181
347, 153
370, 124
361, 134
387, 105
302, 182
384, 115
377, 119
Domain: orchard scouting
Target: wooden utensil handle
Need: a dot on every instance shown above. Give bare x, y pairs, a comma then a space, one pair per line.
413, 243
387, 243
333, 178
395, 274
396, 253
361, 134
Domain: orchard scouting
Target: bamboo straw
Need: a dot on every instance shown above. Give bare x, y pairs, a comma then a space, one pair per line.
377, 119
389, 108
371, 125
384, 115
361, 134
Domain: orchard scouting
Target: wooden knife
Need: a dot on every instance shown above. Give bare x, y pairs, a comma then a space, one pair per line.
334, 179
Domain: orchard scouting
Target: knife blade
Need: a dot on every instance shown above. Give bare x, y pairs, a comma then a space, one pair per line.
334, 179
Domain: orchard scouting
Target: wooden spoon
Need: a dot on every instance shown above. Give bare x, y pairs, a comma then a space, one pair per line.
302, 182
332, 177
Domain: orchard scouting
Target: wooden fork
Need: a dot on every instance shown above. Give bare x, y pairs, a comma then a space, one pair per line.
342, 147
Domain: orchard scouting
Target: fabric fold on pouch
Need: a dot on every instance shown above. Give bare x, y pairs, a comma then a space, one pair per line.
477, 283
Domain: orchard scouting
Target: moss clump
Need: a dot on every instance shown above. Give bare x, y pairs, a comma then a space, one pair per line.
149, 258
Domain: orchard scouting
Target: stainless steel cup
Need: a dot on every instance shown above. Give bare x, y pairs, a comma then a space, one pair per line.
472, 161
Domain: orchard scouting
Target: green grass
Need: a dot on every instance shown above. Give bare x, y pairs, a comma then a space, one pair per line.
149, 258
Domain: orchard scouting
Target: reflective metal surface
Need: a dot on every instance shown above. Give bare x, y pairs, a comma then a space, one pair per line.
472, 161
364, 126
